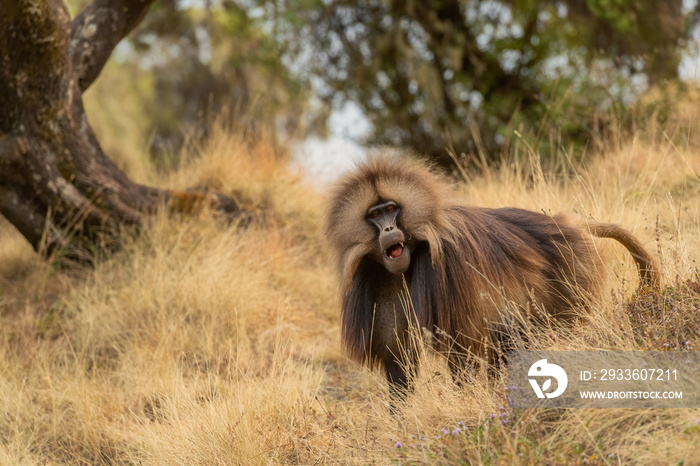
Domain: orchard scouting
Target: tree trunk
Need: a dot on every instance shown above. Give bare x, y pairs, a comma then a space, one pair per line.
57, 186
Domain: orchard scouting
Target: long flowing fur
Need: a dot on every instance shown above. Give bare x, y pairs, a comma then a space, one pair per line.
468, 264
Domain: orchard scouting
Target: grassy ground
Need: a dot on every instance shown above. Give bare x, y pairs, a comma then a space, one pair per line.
201, 343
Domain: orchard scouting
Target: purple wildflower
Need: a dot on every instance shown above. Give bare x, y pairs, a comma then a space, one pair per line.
397, 445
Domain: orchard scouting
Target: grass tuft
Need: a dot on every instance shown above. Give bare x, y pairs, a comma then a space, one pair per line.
202, 343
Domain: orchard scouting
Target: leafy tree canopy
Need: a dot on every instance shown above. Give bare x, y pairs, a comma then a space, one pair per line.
468, 72
427, 73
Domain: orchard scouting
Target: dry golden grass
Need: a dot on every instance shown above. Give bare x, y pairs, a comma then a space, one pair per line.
202, 343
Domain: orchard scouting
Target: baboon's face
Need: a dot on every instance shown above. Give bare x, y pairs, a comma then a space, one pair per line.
392, 250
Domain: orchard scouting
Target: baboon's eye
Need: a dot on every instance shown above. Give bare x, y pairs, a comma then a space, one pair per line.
374, 214
390, 209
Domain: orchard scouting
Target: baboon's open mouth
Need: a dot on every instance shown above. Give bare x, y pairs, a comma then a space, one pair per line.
394, 251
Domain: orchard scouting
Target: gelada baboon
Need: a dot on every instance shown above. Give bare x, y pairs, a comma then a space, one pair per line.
396, 225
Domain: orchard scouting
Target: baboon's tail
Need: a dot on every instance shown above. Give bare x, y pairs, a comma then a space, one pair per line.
649, 273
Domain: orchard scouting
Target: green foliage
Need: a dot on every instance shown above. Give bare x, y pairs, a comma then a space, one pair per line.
470, 75
466, 73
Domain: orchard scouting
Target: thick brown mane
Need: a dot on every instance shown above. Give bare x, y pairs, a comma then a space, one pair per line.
501, 256
426, 195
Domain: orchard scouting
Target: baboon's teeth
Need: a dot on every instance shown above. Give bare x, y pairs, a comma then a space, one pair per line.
395, 251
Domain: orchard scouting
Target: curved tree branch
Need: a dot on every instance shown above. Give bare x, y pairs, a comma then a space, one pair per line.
97, 30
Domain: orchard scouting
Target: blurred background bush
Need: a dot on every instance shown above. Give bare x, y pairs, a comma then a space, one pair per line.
464, 75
